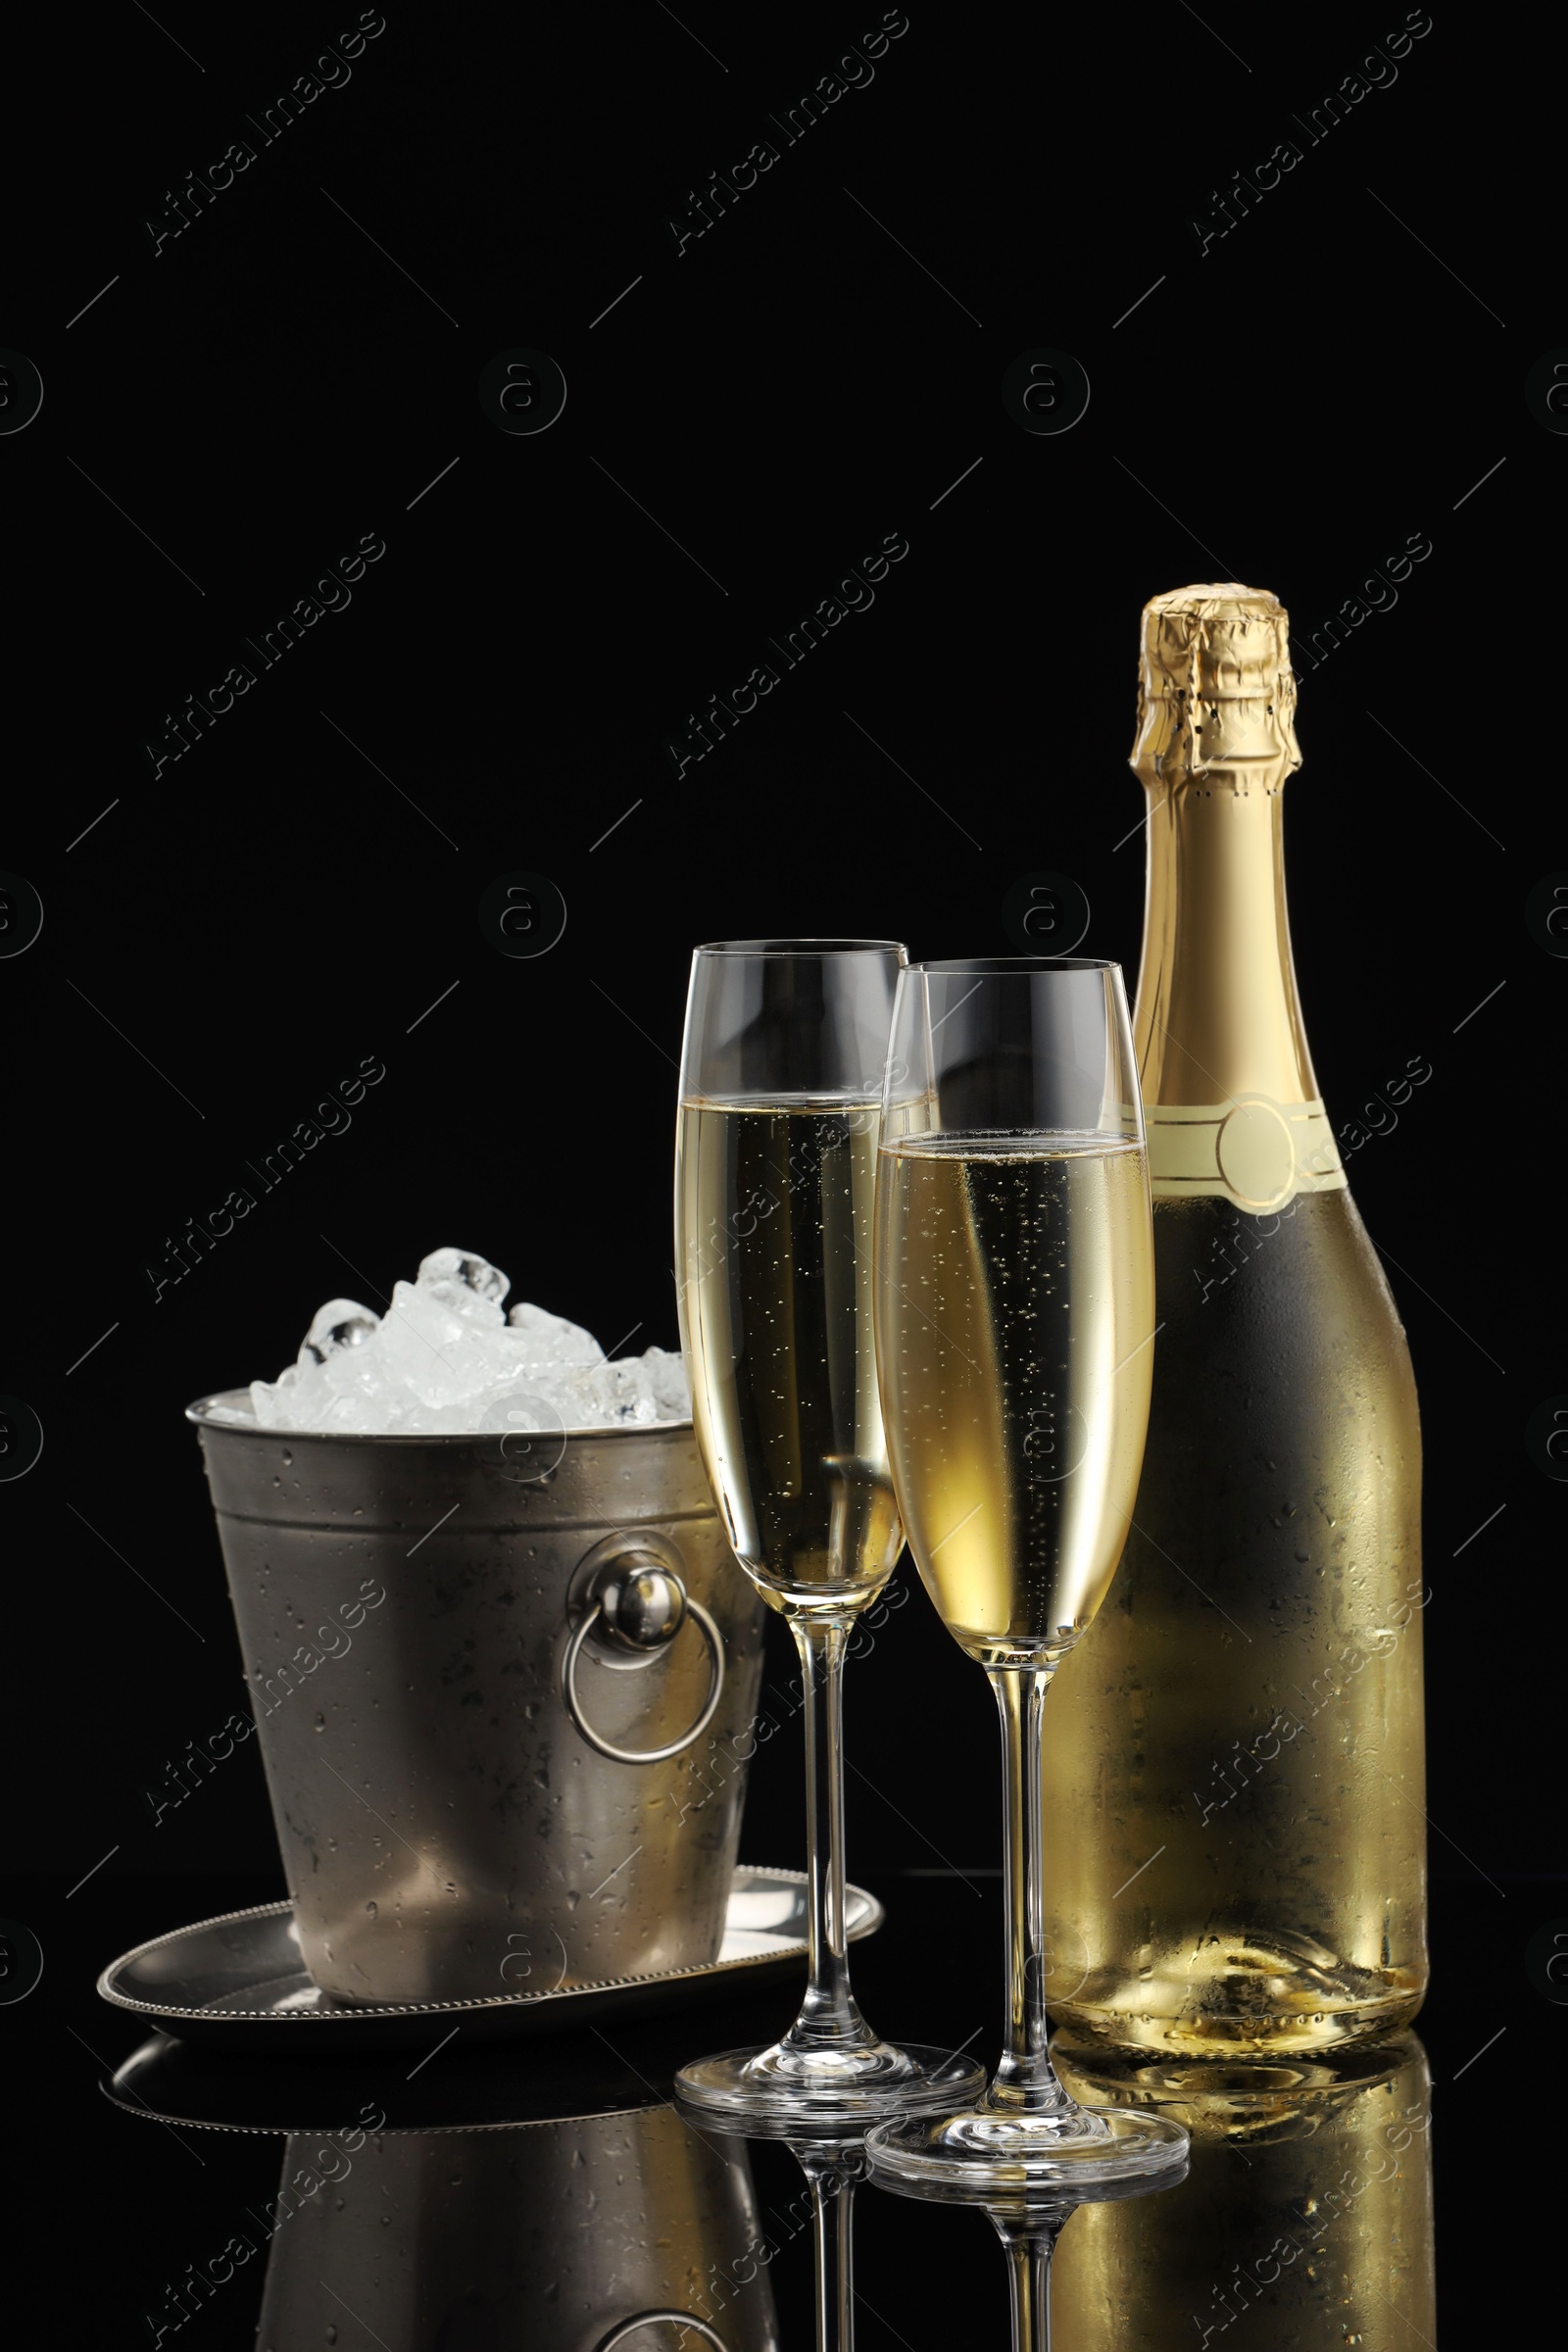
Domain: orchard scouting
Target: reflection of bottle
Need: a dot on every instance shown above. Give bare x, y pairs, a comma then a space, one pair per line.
1306, 2219
1242, 1724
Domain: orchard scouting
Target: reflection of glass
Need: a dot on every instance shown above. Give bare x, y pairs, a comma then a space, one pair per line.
1030, 2238
1014, 1328
1305, 2219
833, 2159
775, 1180
1028, 2226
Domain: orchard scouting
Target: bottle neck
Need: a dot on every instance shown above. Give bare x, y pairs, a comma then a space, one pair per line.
1217, 1011
1229, 1090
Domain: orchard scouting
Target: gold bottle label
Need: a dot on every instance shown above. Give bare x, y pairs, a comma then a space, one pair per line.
1249, 1149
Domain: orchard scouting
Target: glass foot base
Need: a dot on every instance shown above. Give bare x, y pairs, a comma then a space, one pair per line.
1083, 2153
790, 2082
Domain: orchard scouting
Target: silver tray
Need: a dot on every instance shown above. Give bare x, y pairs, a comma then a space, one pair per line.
239, 1980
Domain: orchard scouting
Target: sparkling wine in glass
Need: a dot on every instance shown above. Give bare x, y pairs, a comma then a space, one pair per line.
774, 1193
1014, 1336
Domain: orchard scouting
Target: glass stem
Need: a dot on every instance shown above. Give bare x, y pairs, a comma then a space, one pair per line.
1025, 2081
829, 2018
832, 2204
1029, 2252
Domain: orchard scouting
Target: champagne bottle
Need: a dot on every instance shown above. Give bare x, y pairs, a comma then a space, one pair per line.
1306, 2213
1234, 1766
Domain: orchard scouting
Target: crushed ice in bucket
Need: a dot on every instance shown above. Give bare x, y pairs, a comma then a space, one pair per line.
447, 1358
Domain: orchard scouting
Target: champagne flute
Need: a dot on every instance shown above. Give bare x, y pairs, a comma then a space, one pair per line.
1015, 1340
774, 1184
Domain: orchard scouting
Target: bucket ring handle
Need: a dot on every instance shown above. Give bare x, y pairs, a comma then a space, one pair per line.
638, 1603
649, 2319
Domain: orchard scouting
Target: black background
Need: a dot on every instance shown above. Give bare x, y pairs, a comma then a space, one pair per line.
227, 937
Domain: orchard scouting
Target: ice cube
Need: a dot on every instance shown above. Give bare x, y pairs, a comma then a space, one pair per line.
667, 1376
271, 1400
341, 1324
552, 1339
614, 1395
308, 1400
364, 1376
469, 1285
355, 1411
446, 1359
441, 1354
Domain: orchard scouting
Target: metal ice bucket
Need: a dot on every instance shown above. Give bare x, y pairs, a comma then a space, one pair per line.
483, 1679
